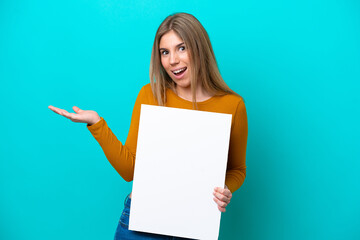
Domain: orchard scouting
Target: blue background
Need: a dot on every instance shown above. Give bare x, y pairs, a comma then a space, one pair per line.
296, 63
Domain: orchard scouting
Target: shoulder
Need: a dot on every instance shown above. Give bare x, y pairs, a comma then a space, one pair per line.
146, 94
227, 103
147, 87
232, 100
235, 105
145, 91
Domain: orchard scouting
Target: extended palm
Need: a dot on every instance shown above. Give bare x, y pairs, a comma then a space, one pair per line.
83, 116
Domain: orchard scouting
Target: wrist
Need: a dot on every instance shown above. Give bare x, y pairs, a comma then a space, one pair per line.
95, 121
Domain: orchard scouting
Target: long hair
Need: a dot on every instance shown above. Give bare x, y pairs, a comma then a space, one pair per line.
202, 58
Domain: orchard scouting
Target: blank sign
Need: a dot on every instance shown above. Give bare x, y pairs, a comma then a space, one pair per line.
181, 157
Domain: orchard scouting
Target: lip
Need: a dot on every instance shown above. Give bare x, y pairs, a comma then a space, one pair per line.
177, 69
181, 75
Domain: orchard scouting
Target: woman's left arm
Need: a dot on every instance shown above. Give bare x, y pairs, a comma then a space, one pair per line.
236, 167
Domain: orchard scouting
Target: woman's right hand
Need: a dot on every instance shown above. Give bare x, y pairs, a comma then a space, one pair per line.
83, 116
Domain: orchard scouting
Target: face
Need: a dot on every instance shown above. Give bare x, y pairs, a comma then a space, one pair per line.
175, 59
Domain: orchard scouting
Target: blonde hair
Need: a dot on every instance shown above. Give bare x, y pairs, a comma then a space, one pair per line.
202, 58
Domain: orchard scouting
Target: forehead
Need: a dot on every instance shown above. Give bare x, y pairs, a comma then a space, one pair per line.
170, 39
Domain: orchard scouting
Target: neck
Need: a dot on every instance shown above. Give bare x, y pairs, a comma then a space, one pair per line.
185, 93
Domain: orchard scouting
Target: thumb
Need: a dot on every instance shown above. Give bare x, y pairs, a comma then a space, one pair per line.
76, 109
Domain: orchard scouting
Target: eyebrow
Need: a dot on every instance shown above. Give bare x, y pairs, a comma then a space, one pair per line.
175, 46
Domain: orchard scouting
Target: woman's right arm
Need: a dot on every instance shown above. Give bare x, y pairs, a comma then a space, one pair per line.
118, 155
121, 157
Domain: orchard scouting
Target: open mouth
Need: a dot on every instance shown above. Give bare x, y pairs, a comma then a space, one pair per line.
179, 71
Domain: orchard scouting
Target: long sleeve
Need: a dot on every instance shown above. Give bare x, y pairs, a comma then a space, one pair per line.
121, 157
236, 168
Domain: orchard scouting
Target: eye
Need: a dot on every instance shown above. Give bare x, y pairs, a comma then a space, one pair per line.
182, 48
164, 52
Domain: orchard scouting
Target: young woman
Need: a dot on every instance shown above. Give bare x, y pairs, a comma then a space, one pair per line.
183, 74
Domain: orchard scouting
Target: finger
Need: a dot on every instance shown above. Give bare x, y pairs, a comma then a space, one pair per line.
220, 190
64, 113
224, 191
58, 110
72, 116
222, 209
54, 109
75, 117
76, 109
221, 205
228, 193
222, 197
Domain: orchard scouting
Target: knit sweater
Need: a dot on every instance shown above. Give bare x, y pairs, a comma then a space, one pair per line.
122, 156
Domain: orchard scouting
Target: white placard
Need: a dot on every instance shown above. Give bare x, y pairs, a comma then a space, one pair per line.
181, 156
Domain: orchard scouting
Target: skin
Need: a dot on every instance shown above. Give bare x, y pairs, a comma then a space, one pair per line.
82, 116
174, 55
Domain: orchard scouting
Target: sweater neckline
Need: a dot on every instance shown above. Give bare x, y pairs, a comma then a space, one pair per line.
190, 102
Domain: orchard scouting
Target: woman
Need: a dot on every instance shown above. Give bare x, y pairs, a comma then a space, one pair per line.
183, 74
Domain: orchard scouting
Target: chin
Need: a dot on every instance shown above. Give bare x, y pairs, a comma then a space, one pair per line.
183, 83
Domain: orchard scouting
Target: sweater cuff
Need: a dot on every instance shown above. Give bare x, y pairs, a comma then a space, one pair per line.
97, 125
231, 184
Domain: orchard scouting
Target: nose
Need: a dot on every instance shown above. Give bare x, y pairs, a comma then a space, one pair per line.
174, 59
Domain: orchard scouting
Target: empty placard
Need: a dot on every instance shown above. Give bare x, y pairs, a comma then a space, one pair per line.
181, 156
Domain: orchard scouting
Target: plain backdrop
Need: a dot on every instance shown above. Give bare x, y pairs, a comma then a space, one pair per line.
296, 63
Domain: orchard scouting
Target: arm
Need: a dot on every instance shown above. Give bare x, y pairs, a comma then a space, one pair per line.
236, 169
121, 157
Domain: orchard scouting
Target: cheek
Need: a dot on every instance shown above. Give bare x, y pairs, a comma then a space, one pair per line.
163, 64
187, 57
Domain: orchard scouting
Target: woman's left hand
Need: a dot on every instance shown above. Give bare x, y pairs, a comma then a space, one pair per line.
222, 197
